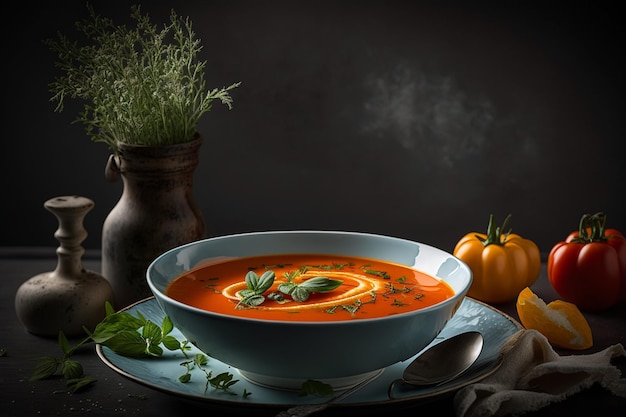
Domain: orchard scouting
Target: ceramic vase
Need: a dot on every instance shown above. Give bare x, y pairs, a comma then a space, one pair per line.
156, 212
69, 297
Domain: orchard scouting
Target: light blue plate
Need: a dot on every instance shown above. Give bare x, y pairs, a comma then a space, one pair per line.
162, 373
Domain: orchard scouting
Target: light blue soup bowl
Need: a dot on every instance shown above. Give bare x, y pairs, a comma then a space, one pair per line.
284, 354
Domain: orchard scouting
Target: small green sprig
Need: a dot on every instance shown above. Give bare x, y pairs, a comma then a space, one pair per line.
69, 369
381, 274
353, 307
223, 381
392, 289
199, 360
317, 388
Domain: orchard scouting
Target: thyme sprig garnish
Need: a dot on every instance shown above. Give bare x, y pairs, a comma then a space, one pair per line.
353, 307
199, 360
392, 289
398, 303
279, 266
223, 381
211, 285
381, 274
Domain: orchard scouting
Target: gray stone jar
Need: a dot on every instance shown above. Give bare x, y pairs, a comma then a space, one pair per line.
71, 296
156, 212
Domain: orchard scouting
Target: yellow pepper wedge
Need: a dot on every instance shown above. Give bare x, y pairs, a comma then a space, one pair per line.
503, 264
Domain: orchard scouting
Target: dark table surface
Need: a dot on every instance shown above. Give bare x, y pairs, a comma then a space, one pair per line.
116, 395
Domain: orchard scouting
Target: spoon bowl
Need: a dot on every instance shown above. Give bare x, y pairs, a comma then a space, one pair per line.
445, 360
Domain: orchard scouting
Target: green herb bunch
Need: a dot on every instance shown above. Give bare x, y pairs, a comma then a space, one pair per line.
140, 86
125, 334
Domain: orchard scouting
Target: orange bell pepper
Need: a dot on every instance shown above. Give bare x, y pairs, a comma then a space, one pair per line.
503, 264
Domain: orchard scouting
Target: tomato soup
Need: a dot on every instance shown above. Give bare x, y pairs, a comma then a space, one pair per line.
350, 288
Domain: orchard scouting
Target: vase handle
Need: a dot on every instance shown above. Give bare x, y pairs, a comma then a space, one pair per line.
112, 169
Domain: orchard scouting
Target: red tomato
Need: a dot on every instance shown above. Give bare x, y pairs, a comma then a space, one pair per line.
589, 267
618, 242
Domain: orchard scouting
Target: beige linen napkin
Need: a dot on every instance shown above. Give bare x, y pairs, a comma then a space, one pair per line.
533, 375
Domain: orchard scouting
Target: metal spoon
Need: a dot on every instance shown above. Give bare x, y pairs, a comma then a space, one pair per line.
438, 364
445, 360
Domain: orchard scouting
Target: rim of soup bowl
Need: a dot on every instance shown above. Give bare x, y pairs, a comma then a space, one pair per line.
161, 296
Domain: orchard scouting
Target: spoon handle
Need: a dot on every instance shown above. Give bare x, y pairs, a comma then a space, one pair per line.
308, 409
303, 410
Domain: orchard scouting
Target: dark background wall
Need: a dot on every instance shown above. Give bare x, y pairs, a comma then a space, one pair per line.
412, 119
